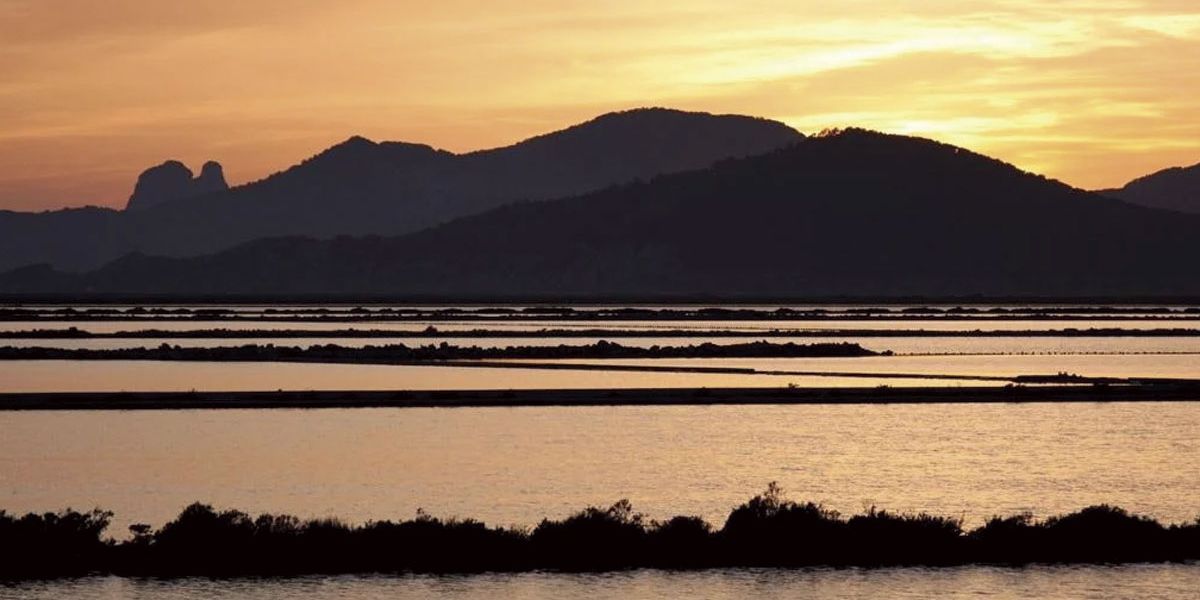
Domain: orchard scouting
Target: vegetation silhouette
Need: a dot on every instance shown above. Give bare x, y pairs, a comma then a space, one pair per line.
766, 531
71, 333
67, 542
400, 353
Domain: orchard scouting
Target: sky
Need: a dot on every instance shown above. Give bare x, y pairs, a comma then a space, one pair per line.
91, 93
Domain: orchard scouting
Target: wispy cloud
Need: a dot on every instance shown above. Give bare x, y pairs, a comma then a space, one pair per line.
1091, 92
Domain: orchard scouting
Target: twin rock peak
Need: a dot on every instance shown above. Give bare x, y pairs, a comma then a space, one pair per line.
171, 181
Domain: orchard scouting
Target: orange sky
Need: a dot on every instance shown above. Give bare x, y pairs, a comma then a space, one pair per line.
1092, 92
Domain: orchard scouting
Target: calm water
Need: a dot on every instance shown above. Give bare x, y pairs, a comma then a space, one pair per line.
55, 375
514, 466
1165, 582
517, 465
1119, 365
115, 376
930, 356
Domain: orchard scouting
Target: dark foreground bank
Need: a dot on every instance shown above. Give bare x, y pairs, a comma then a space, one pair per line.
75, 333
766, 531
1132, 391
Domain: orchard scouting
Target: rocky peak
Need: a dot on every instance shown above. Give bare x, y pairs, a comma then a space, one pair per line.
211, 178
172, 180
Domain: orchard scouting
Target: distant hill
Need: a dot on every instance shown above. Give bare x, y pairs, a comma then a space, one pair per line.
852, 213
361, 187
1177, 188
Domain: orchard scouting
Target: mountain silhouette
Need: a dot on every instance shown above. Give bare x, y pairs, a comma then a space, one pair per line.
361, 187
852, 213
1177, 188
173, 181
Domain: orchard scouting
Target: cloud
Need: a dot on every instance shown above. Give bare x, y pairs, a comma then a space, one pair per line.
1091, 92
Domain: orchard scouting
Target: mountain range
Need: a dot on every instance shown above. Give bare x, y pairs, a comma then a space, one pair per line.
360, 187
846, 213
1177, 188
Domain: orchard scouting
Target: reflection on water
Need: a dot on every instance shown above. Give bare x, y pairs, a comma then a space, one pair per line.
48, 375
147, 376
1135, 365
1165, 582
517, 465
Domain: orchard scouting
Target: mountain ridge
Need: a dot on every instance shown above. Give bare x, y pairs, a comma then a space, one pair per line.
361, 187
856, 213
1173, 188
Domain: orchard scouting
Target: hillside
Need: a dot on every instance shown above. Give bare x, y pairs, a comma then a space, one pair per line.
361, 187
855, 213
1177, 188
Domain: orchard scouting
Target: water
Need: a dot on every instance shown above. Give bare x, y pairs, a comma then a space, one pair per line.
513, 466
1118, 365
121, 375
1165, 582
931, 356
132, 375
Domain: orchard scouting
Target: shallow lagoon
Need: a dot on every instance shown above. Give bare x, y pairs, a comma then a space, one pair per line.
516, 465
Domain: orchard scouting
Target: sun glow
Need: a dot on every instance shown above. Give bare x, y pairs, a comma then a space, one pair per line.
1093, 93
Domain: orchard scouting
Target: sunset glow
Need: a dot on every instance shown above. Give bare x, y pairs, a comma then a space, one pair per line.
1090, 92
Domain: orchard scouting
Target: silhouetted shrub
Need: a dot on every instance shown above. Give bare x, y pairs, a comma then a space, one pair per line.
767, 530
400, 353
592, 539
52, 544
683, 542
1105, 534
882, 538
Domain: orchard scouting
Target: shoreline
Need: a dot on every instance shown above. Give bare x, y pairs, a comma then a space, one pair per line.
10, 317
350, 299
1164, 392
